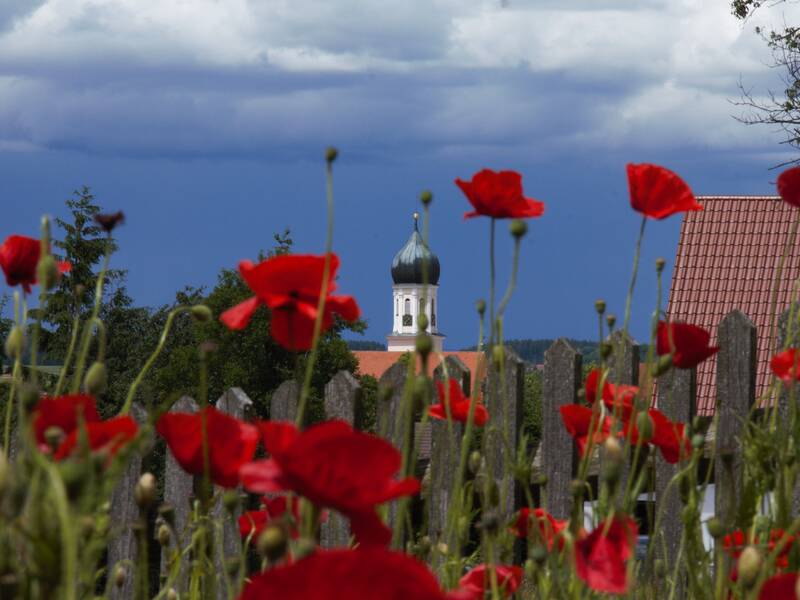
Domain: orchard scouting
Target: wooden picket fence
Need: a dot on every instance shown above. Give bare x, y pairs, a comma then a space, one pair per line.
557, 455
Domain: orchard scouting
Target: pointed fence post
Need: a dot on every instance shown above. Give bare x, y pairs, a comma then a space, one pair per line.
504, 403
736, 390
283, 405
624, 363
125, 513
445, 450
237, 404
178, 493
342, 401
677, 399
562, 380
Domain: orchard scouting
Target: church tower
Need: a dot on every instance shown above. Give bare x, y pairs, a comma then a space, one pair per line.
410, 297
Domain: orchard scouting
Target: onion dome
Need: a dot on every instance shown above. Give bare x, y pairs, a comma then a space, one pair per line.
407, 263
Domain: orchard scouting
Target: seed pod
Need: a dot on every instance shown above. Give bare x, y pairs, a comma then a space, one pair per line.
164, 535
606, 349
422, 322
15, 342
613, 450
330, 154
145, 491
426, 197
611, 320
518, 228
698, 441
498, 352
474, 463
272, 543
96, 380
660, 262
600, 306
749, 566
480, 306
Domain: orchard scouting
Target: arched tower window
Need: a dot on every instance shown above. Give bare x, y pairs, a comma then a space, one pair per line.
433, 312
397, 307
407, 310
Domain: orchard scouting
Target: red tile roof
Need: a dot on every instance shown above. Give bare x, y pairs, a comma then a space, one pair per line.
726, 259
377, 362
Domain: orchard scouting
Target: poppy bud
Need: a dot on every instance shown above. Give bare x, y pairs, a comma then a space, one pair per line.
522, 473
474, 461
29, 396
644, 423
172, 594
47, 272
330, 154
660, 568
231, 500
610, 320
606, 350
530, 568
442, 548
698, 441
15, 342
490, 522
612, 450
53, 436
272, 543
422, 322
600, 306
541, 480
539, 553
202, 313
498, 352
749, 566
96, 380
425, 545
423, 344
119, 576
660, 262
167, 512
661, 366
164, 535
480, 306
426, 197
577, 487
518, 228
145, 491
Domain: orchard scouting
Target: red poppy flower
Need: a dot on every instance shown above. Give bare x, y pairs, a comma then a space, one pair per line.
19, 256
688, 343
459, 405
474, 584
669, 437
779, 587
786, 365
590, 386
789, 186
231, 443
657, 192
290, 286
109, 436
254, 521
601, 557
334, 466
548, 530
735, 542
358, 574
63, 412
499, 195
578, 419
613, 395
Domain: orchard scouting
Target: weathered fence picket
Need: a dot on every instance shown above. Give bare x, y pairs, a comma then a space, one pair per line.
562, 380
283, 404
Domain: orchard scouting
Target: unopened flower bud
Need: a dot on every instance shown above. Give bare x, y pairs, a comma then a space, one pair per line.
330, 154
518, 228
272, 543
530, 568
426, 197
660, 262
644, 424
15, 342
172, 594
541, 480
749, 566
606, 349
423, 344
600, 306
96, 380
164, 535
119, 576
202, 313
613, 450
539, 553
474, 461
498, 353
442, 548
698, 441
577, 487
480, 306
47, 272
425, 544
167, 512
660, 568
422, 322
231, 500
662, 365
145, 491
490, 522
611, 320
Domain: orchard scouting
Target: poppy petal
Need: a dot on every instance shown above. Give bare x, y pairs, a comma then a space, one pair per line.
239, 316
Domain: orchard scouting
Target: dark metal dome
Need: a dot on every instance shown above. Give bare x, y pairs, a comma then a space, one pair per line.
407, 263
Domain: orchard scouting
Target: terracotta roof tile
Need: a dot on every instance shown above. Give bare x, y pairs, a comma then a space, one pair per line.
726, 258
377, 362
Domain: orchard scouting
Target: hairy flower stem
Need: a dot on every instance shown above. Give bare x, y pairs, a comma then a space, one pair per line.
152, 359
323, 295
73, 340
16, 377
491, 281
636, 256
87, 330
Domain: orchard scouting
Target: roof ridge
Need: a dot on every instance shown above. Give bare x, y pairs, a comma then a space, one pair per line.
739, 197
